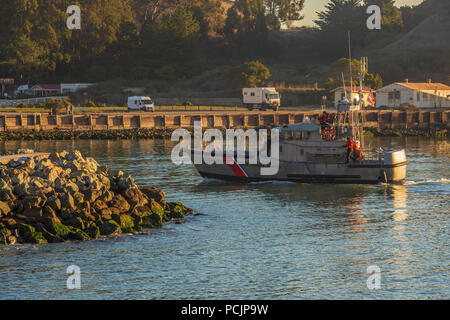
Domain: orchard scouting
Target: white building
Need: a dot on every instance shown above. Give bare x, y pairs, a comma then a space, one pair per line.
421, 95
73, 87
341, 92
44, 90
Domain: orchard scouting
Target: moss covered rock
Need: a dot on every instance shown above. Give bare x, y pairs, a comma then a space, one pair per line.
61, 231
78, 234
92, 230
110, 227
126, 221
76, 223
156, 207
30, 235
151, 221
52, 238
175, 210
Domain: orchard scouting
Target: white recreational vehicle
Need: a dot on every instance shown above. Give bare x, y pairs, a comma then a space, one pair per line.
140, 103
261, 98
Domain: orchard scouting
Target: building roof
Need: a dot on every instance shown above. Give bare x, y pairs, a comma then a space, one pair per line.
301, 126
46, 87
424, 85
355, 89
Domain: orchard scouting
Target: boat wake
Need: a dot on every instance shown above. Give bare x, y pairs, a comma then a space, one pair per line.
428, 181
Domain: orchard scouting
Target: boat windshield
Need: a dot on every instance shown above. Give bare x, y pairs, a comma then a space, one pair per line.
273, 96
294, 135
147, 102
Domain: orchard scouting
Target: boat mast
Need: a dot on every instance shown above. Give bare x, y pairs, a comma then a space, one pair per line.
351, 87
343, 86
350, 63
361, 79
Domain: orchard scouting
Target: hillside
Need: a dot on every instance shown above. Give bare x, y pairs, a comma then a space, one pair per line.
433, 32
421, 53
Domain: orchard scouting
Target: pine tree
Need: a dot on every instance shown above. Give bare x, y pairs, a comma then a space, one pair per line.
338, 18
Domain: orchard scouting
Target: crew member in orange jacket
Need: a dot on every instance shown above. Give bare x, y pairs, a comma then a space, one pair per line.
350, 145
358, 153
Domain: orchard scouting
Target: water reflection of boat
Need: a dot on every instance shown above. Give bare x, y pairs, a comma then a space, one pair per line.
288, 192
400, 198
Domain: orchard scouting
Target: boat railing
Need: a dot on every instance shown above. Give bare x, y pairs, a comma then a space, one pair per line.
373, 155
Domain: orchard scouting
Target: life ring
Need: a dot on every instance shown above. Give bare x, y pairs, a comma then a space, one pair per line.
328, 134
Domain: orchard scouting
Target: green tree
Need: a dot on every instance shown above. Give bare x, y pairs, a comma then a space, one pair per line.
233, 24
246, 28
282, 11
342, 66
25, 53
39, 27
373, 81
339, 17
250, 74
330, 84
177, 35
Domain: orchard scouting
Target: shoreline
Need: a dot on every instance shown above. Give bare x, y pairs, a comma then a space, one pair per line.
166, 133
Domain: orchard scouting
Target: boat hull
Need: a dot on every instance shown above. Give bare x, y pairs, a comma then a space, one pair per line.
365, 172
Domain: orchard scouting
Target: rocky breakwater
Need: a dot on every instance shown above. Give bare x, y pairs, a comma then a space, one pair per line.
64, 196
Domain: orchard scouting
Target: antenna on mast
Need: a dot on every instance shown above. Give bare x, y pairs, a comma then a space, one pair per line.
350, 63
343, 86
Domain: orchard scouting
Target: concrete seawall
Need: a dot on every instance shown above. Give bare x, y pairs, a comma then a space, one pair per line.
14, 122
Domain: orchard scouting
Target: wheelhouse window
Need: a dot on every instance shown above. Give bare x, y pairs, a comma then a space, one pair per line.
298, 135
287, 135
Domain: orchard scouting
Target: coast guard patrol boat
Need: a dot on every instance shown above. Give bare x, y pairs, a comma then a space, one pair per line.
305, 155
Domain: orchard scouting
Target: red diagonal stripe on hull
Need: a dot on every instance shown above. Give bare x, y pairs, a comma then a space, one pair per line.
235, 167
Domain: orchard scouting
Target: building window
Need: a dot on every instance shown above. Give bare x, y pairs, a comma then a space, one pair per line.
397, 95
418, 96
425, 96
252, 94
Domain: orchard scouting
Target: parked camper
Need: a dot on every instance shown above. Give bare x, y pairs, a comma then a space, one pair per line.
140, 103
23, 89
261, 98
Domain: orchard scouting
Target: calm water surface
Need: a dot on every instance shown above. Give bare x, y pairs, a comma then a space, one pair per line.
255, 241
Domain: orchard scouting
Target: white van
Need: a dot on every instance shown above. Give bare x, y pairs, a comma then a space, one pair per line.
140, 103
